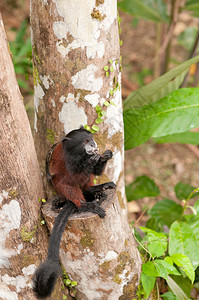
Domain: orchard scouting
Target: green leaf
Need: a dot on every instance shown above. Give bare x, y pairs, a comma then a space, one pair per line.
22, 84
182, 240
184, 283
193, 223
153, 268
106, 103
143, 9
95, 128
111, 92
99, 120
182, 138
107, 74
106, 68
141, 187
87, 127
156, 242
74, 283
98, 108
169, 260
159, 87
196, 206
176, 289
184, 262
193, 6
169, 296
169, 268
148, 283
111, 69
149, 269
166, 211
178, 112
111, 102
183, 191
68, 281
187, 38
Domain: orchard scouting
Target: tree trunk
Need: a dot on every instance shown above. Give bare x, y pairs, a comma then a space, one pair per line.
100, 255
77, 81
23, 241
72, 44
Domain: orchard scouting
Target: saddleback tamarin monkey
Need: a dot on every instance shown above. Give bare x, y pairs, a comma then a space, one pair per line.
70, 167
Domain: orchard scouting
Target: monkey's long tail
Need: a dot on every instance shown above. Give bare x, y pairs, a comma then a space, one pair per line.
47, 273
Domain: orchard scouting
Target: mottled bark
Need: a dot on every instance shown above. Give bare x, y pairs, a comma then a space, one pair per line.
72, 43
77, 81
23, 241
100, 254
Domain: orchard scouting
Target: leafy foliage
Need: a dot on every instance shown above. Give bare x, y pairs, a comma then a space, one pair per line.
152, 10
159, 87
141, 187
172, 256
22, 54
182, 138
177, 112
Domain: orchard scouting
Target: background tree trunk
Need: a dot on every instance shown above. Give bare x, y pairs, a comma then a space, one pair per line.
77, 81
23, 241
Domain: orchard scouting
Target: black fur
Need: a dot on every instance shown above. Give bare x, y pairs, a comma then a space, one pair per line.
47, 273
73, 169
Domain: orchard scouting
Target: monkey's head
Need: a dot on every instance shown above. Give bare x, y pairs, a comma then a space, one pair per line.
80, 141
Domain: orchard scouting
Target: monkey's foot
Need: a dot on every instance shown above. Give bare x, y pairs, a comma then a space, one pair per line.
57, 203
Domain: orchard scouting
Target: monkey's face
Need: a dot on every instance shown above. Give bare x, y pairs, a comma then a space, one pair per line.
90, 146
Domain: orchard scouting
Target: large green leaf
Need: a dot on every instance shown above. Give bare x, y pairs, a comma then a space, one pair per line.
141, 187
152, 10
166, 211
192, 5
168, 296
158, 268
194, 224
182, 138
182, 240
148, 283
156, 242
183, 191
185, 264
169, 268
176, 289
175, 113
184, 283
160, 87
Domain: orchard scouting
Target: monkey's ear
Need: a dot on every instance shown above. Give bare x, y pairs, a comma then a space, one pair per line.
81, 127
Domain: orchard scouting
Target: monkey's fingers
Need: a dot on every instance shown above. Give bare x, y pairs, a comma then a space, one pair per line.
100, 212
109, 185
106, 155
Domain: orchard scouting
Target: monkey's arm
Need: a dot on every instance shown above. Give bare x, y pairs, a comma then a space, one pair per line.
97, 191
101, 163
75, 195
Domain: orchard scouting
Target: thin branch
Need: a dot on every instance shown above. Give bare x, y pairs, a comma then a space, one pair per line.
177, 5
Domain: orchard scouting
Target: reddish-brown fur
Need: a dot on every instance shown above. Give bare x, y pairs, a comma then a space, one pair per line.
68, 185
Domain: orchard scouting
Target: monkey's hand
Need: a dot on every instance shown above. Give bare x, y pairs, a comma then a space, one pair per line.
106, 155
109, 185
92, 207
92, 161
